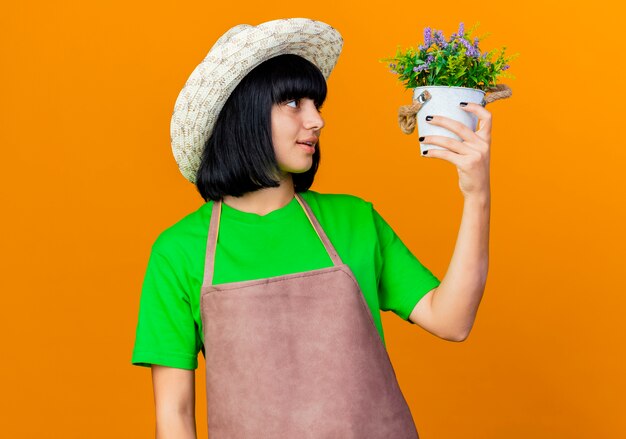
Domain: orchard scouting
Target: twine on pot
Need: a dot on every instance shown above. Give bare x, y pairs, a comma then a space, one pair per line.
407, 113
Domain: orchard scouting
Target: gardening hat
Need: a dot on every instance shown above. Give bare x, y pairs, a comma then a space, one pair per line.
231, 58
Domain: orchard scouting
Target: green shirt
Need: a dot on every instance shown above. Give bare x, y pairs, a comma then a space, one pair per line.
250, 246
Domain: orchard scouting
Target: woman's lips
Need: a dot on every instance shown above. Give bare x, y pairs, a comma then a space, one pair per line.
307, 148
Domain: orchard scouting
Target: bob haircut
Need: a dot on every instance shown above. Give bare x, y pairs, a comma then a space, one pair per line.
239, 155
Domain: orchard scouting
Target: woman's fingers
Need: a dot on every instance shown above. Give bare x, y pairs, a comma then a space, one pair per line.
450, 156
446, 142
484, 120
455, 126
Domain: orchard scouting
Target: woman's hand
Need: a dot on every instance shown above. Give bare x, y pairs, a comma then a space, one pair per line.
471, 156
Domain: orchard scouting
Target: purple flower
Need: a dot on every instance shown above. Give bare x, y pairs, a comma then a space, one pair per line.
470, 50
430, 59
427, 37
461, 30
506, 66
421, 67
439, 39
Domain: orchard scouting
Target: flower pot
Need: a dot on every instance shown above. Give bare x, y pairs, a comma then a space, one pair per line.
445, 101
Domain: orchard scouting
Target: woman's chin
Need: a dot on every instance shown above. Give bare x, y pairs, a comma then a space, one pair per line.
300, 169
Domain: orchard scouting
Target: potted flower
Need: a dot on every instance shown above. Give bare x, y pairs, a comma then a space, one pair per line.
444, 73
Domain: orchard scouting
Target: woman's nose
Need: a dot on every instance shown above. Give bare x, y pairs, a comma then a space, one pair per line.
313, 118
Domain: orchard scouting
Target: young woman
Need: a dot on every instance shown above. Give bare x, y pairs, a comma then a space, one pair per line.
278, 285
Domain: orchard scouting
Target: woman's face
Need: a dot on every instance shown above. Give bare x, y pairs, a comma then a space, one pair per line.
293, 123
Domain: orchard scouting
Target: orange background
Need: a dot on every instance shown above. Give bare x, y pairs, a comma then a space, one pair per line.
89, 181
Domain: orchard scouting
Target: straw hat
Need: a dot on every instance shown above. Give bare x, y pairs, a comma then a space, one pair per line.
232, 57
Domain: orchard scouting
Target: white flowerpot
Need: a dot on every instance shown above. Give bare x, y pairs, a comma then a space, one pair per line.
445, 101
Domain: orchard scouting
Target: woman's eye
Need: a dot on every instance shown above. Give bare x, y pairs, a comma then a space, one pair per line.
294, 101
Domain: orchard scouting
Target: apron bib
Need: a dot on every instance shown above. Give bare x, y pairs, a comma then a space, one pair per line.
296, 356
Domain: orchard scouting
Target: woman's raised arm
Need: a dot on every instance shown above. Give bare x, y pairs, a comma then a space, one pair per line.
175, 402
451, 308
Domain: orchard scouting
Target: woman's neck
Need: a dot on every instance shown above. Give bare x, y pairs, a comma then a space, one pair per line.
264, 200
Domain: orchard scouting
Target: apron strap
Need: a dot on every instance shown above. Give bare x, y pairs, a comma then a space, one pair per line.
214, 227
212, 243
334, 256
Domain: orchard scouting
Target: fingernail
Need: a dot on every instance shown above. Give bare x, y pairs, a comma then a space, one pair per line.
425, 152
421, 139
429, 118
463, 104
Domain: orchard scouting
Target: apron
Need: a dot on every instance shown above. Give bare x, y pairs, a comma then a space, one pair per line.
296, 356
